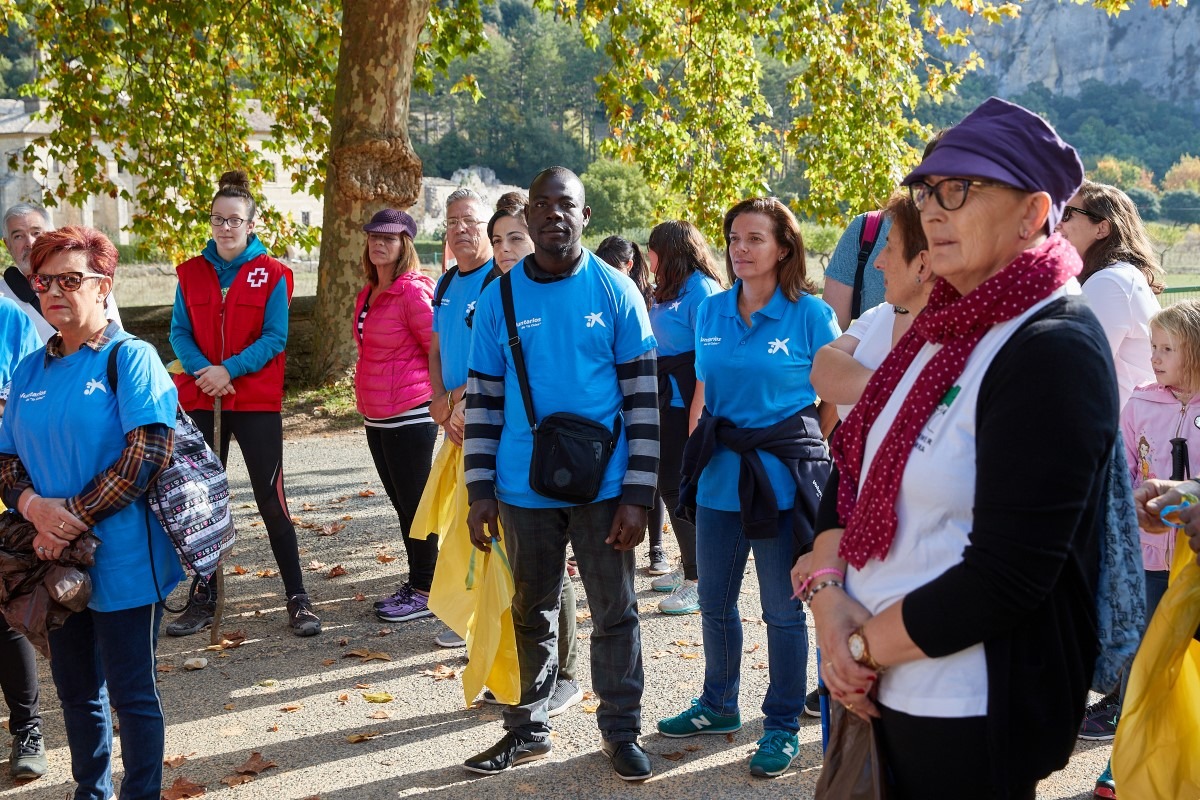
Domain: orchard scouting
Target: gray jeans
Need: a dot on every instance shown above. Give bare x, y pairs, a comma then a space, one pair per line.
537, 549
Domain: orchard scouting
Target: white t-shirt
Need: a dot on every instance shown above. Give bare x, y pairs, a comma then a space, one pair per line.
935, 511
874, 333
1124, 304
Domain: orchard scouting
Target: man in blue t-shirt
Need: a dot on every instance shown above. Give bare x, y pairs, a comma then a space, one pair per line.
843, 264
589, 350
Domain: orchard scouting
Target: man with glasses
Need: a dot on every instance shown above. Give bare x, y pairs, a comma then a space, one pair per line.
23, 224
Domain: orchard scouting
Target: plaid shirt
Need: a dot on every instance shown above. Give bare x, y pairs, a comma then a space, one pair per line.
147, 451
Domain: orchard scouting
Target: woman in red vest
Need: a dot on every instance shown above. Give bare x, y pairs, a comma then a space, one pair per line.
229, 328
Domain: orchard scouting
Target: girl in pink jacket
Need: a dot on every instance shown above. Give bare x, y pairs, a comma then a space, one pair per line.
393, 324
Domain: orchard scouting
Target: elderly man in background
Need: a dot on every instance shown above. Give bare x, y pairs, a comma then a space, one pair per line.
23, 224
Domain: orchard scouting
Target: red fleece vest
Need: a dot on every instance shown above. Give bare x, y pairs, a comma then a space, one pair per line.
224, 328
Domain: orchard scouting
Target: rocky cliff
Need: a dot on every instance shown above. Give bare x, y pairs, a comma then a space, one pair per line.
1060, 45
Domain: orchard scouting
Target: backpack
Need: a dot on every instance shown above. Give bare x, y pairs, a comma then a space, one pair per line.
872, 221
190, 496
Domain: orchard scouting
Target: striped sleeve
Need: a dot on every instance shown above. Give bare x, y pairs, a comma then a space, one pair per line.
639, 385
481, 436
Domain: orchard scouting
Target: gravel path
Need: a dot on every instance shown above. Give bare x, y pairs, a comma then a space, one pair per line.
296, 701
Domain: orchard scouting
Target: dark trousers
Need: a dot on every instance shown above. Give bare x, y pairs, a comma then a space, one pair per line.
537, 546
18, 680
260, 438
932, 758
673, 435
403, 457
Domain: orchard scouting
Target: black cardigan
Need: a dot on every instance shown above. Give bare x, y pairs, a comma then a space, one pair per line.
1045, 425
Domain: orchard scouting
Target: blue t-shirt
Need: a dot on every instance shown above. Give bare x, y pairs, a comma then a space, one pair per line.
574, 332
844, 261
450, 322
755, 377
20, 338
674, 322
66, 426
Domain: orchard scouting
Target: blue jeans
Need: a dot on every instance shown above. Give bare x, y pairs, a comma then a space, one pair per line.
721, 554
100, 658
537, 549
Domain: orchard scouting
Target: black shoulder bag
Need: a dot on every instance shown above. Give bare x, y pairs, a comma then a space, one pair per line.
570, 452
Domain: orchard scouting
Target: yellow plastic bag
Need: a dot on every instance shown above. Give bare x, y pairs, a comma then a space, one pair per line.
1155, 753
472, 592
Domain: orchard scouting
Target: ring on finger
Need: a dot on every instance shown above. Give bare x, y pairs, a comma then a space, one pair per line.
62, 525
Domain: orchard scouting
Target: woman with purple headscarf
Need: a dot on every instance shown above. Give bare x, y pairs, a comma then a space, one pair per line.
963, 508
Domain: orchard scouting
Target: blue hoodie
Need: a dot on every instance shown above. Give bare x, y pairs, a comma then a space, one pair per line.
275, 318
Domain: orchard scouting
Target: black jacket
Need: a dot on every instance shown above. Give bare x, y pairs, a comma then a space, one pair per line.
682, 367
796, 441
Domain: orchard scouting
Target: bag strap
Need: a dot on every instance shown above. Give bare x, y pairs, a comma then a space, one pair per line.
112, 363
866, 243
514, 344
443, 286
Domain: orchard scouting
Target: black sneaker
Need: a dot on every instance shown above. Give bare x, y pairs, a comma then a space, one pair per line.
195, 618
812, 704
301, 617
566, 694
1100, 720
508, 752
28, 758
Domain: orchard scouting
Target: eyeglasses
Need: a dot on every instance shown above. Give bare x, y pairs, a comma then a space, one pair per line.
1071, 211
951, 193
466, 222
219, 222
69, 281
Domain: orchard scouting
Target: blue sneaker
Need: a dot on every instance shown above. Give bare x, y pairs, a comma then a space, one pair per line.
774, 755
699, 719
1106, 787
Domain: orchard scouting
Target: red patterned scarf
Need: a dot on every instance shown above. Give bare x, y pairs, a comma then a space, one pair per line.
868, 507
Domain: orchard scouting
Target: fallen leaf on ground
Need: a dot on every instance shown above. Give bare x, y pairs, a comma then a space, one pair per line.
256, 523
308, 507
267, 682
760, 665
330, 528
229, 706
676, 756
265, 573
328, 661
341, 499
316, 566
691, 748
379, 715
233, 640
366, 493
273, 729
355, 738
342, 642
182, 788
255, 764
689, 655
683, 643
752, 647
384, 632
384, 558
588, 696
236, 780
165, 667
362, 686
290, 707
442, 673
176, 760
337, 572
343, 698
377, 697
238, 569
360, 597
729, 738
366, 655
347, 517
590, 708
582, 615
660, 654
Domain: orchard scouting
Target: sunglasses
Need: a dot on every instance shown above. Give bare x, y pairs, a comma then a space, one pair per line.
1070, 211
950, 193
68, 281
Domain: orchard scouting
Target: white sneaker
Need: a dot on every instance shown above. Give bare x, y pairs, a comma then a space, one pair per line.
684, 600
669, 582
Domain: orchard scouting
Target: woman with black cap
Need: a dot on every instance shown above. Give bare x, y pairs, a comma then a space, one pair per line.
963, 508
393, 325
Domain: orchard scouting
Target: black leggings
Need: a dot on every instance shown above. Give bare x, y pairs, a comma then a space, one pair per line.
932, 758
673, 435
18, 680
260, 438
403, 457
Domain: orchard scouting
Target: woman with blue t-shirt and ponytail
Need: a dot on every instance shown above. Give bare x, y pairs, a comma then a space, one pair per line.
684, 275
752, 470
229, 328
77, 454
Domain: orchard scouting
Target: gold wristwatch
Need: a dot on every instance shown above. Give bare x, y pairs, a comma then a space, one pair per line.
861, 653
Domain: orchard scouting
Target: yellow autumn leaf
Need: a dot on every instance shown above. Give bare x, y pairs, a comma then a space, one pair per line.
377, 697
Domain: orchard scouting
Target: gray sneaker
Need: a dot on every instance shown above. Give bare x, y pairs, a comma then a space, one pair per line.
565, 694
669, 582
28, 757
684, 600
449, 638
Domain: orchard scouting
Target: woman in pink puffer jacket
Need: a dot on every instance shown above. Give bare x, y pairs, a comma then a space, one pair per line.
393, 324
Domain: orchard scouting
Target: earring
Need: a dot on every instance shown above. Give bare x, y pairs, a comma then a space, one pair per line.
918, 280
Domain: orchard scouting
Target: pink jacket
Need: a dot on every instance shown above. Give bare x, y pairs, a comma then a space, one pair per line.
1151, 419
393, 350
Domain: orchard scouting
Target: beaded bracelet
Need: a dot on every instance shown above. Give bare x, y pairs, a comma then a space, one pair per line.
826, 571
823, 585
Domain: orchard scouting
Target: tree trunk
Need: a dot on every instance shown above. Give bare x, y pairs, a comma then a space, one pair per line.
371, 162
